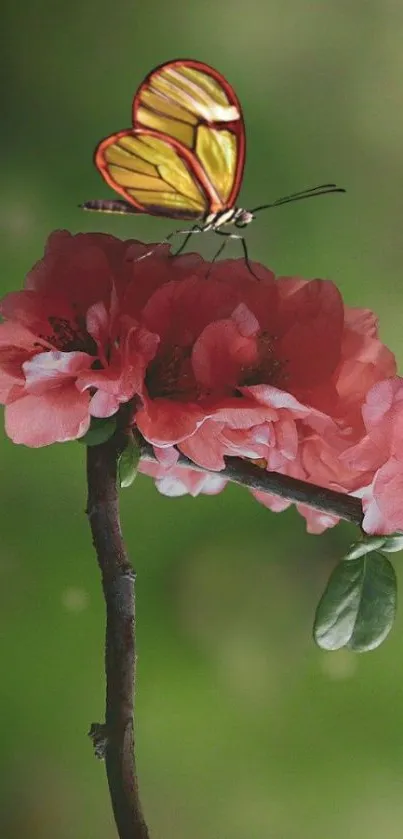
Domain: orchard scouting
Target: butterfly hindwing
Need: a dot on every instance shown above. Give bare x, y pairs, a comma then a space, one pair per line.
152, 173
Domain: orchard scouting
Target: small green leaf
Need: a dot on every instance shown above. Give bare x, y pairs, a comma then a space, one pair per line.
365, 546
392, 544
129, 463
358, 606
99, 431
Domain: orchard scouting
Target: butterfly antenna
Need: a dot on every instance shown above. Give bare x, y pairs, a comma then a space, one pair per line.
322, 189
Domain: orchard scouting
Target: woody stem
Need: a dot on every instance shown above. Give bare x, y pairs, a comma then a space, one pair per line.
250, 475
114, 740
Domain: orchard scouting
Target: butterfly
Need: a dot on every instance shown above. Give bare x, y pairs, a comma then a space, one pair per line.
184, 156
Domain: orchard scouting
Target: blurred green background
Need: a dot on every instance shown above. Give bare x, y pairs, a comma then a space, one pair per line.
245, 729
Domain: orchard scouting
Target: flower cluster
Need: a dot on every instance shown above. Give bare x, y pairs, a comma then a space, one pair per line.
214, 363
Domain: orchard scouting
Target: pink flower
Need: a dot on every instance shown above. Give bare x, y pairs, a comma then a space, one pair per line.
221, 383
176, 481
213, 362
67, 352
275, 369
377, 459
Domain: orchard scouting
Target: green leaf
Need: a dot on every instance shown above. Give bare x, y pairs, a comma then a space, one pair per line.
358, 606
392, 544
129, 463
365, 546
99, 431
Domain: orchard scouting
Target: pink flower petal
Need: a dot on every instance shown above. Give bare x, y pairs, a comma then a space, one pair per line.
56, 416
50, 369
220, 354
205, 447
164, 423
103, 404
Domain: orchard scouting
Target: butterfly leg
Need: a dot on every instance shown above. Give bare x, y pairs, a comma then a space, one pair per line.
159, 245
246, 257
195, 229
220, 249
244, 248
223, 246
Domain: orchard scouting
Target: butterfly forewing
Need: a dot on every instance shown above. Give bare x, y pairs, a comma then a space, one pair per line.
194, 104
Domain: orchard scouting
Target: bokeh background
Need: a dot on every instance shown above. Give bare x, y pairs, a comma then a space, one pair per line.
245, 729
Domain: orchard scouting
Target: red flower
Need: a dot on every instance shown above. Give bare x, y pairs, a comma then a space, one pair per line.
214, 362
67, 351
223, 381
378, 457
280, 371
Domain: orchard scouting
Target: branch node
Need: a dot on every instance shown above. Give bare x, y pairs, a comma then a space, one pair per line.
99, 738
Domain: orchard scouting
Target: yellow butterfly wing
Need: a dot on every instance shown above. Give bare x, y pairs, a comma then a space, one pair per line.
192, 103
153, 173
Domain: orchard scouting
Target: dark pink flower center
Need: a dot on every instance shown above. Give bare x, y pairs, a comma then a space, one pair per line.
170, 375
268, 369
70, 336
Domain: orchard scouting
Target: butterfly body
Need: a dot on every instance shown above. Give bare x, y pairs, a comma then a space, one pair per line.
232, 215
213, 221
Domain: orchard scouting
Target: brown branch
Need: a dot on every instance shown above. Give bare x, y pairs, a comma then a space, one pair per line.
248, 474
115, 739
